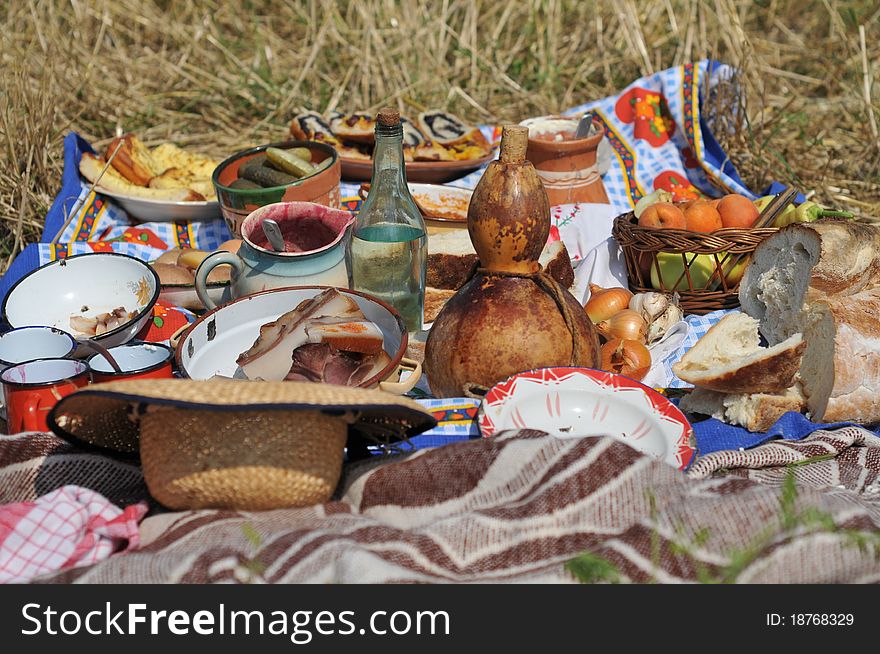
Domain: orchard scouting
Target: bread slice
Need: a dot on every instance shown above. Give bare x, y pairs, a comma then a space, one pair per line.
754, 411
358, 127
729, 358
452, 260
311, 126
841, 364
803, 262
435, 299
556, 262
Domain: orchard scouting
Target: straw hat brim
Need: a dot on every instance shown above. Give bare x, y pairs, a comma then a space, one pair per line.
105, 417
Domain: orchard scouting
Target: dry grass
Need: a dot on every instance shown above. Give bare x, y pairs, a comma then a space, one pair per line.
222, 75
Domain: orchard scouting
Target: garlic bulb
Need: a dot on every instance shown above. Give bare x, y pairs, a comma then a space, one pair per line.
660, 311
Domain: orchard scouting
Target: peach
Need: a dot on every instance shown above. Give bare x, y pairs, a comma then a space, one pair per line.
702, 217
663, 215
737, 211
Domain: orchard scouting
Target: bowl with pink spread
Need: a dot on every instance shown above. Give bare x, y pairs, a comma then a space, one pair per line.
314, 251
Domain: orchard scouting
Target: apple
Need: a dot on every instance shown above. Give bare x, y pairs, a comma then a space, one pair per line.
672, 267
702, 267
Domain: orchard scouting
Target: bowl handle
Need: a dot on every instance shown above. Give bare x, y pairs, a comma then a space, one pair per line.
405, 386
208, 264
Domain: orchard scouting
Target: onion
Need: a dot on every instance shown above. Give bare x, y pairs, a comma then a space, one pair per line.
605, 302
625, 357
626, 324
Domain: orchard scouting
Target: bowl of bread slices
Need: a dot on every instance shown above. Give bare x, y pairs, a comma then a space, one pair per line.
160, 184
437, 146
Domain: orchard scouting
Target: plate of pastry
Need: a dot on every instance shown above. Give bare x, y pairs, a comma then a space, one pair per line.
160, 184
438, 146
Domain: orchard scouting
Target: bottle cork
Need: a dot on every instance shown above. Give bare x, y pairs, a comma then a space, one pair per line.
388, 117
514, 142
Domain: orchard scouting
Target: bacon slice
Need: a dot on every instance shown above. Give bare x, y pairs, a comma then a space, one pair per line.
348, 335
269, 357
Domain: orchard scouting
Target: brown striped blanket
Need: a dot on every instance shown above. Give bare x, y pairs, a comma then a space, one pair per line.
513, 508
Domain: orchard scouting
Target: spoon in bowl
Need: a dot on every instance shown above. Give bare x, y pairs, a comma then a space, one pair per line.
273, 233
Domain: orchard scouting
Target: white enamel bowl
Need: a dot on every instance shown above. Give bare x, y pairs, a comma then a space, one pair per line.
211, 345
85, 285
579, 402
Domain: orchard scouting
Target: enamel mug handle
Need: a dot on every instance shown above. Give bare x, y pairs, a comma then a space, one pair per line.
210, 262
29, 419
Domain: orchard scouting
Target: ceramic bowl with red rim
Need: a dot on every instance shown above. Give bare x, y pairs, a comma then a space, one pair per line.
579, 402
137, 361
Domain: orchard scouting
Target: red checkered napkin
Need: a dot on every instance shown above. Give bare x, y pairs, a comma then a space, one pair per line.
69, 527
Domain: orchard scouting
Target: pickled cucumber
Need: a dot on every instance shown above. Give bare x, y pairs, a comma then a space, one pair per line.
289, 162
321, 165
245, 184
259, 171
303, 153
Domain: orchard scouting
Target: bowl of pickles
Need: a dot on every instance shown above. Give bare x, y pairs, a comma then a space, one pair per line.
288, 171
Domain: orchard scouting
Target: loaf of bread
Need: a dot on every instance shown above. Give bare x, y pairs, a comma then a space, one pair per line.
803, 262
754, 411
729, 358
841, 363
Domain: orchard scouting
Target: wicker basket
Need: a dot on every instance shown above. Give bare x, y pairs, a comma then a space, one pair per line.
703, 285
256, 460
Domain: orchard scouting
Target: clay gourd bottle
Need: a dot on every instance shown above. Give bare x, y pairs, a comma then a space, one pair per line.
507, 318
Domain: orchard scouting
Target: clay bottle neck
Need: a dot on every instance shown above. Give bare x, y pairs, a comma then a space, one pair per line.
514, 142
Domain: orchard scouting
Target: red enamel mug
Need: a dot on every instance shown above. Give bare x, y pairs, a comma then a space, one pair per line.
31, 390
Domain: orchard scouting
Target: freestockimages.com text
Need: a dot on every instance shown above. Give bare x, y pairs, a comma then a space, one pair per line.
300, 626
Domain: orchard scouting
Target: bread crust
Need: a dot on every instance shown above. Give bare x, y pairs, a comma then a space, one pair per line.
763, 370
843, 259
756, 412
852, 358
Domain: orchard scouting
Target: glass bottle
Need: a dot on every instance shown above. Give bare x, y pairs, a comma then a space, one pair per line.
387, 254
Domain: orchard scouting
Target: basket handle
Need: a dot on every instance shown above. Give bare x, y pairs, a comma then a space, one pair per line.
405, 386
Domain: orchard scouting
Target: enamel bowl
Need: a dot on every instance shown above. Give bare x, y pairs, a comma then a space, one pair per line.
85, 285
212, 344
580, 402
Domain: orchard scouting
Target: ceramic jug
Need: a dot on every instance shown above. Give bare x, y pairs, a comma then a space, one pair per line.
314, 253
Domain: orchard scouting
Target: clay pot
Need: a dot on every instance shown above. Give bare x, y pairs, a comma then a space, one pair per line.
568, 169
236, 204
509, 215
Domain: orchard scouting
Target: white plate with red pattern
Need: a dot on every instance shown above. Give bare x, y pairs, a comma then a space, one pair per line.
580, 402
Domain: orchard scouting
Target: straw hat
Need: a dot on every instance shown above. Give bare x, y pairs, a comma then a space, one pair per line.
233, 444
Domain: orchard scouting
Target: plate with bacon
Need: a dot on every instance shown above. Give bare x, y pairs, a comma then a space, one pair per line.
301, 333
438, 146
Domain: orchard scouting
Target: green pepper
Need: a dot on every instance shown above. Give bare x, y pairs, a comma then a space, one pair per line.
810, 211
